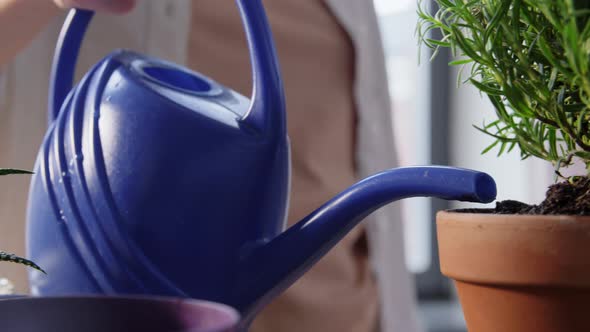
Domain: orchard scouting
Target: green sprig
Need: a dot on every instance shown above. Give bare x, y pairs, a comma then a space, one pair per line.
6, 257
531, 58
9, 171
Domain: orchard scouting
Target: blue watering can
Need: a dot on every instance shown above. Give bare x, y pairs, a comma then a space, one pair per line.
153, 179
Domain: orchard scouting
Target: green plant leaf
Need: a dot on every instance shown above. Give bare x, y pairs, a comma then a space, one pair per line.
499, 15
460, 62
6, 257
9, 171
490, 147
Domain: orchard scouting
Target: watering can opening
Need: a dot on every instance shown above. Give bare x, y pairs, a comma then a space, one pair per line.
177, 78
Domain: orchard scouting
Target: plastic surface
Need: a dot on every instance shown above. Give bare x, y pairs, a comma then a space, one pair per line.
142, 157
153, 179
115, 314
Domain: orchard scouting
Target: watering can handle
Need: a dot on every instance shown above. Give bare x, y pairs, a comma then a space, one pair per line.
65, 59
267, 109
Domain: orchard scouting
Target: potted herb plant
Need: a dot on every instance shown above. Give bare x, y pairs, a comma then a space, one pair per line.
521, 267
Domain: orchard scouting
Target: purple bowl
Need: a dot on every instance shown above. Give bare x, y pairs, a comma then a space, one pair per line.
114, 314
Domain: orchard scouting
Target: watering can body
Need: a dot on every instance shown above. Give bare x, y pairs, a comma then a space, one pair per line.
146, 163
153, 179
123, 170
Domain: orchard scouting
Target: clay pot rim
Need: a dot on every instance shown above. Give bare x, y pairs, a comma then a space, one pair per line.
515, 250
468, 219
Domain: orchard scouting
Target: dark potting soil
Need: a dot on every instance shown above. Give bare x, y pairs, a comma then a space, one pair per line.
569, 197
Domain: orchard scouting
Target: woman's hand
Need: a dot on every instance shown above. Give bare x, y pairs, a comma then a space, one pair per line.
112, 6
21, 20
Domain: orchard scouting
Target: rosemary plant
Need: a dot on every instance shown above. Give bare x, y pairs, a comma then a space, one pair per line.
6, 257
531, 58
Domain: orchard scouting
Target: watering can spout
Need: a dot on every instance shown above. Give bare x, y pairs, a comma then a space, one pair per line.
275, 265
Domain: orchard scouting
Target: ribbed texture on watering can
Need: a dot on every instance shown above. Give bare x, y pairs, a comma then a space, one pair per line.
87, 219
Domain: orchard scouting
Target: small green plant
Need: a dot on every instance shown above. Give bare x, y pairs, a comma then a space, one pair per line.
6, 257
531, 58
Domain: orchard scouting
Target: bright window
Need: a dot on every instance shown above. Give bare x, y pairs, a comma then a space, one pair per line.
409, 87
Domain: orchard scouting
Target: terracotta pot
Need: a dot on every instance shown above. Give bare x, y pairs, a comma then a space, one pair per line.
518, 273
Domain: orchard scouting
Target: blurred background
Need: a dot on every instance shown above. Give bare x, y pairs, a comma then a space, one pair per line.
433, 121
